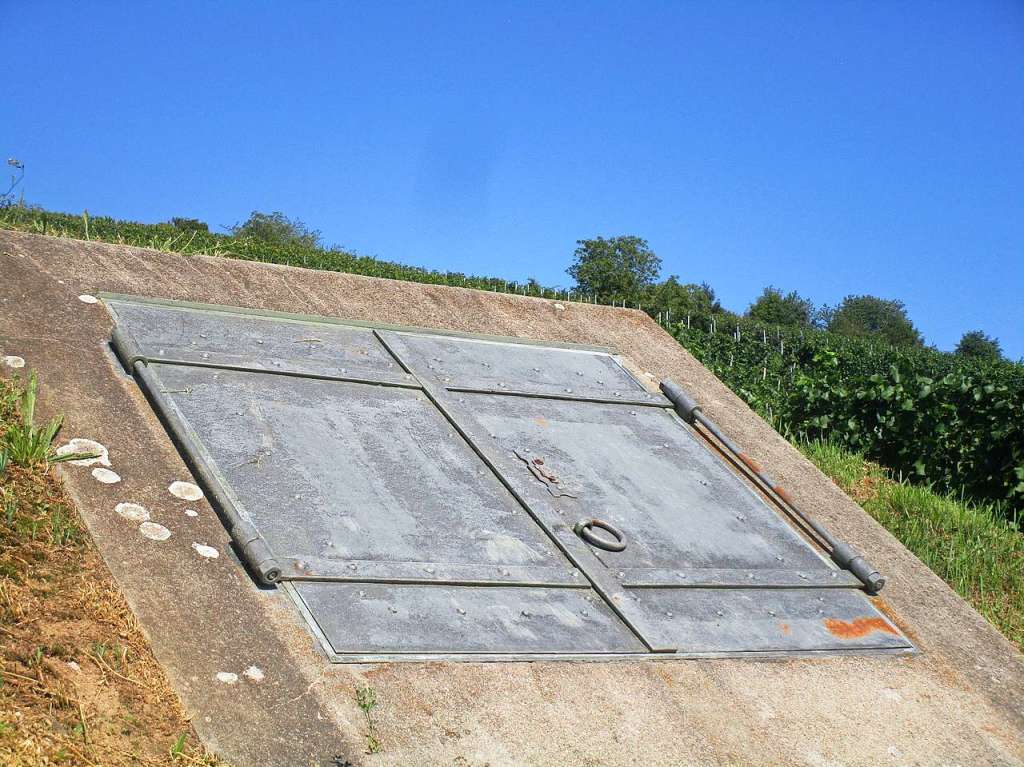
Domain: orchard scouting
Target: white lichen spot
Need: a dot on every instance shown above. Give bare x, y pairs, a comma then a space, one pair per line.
154, 531
80, 445
205, 551
191, 513
227, 677
14, 361
106, 476
133, 511
85, 298
186, 491
255, 674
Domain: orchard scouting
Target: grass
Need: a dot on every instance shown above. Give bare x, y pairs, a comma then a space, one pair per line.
78, 683
366, 699
973, 547
26, 443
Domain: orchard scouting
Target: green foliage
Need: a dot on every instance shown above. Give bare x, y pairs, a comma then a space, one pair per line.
775, 308
26, 444
619, 268
198, 241
189, 225
979, 346
971, 546
277, 229
674, 299
941, 420
874, 318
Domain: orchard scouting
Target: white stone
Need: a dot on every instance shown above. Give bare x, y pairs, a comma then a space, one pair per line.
205, 551
13, 361
106, 476
227, 677
80, 445
133, 511
186, 491
85, 298
191, 513
255, 674
154, 532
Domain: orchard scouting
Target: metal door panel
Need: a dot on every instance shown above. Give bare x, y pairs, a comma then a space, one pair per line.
723, 620
340, 472
458, 363
373, 618
208, 337
641, 470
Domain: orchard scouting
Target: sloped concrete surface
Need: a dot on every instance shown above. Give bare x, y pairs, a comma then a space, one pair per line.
959, 702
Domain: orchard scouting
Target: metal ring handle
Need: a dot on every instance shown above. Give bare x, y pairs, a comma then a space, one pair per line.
584, 530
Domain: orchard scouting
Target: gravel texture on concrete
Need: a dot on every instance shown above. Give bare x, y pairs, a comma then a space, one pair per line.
960, 701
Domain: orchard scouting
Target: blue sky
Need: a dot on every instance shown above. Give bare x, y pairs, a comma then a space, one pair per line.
829, 148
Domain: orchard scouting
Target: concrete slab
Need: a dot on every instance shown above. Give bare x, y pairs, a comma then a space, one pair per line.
958, 702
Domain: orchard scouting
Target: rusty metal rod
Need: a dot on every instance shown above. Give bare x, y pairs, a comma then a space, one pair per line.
842, 553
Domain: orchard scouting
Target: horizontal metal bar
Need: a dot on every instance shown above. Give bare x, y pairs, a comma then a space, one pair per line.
655, 401
709, 578
393, 383
429, 573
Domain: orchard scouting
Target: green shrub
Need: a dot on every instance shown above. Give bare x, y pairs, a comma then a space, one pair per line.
953, 423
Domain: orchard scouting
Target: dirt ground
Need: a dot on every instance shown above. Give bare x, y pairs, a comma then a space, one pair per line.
80, 683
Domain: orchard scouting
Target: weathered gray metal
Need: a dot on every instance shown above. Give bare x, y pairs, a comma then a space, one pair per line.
842, 553
421, 494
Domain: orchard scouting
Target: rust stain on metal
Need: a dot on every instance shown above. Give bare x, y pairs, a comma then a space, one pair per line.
544, 475
784, 627
754, 465
781, 492
858, 627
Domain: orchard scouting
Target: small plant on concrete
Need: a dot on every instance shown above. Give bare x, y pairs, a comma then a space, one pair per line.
27, 444
366, 699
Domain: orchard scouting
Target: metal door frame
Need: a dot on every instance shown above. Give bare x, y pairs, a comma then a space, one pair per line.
578, 555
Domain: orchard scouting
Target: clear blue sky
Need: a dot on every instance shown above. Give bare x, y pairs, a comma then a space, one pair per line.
828, 148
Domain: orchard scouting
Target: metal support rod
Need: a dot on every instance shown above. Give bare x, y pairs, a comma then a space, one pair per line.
842, 553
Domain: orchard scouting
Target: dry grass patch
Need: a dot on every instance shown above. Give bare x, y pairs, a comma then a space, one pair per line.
78, 682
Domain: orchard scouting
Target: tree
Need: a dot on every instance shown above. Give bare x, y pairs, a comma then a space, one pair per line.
871, 317
189, 224
774, 308
277, 229
615, 268
682, 300
977, 345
